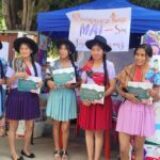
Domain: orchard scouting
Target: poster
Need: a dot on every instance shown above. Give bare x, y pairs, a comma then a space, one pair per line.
113, 24
152, 38
153, 75
152, 146
4, 52
42, 51
152, 152
155, 139
43, 42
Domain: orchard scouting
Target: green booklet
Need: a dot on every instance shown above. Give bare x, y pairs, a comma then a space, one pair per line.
64, 75
140, 89
92, 92
29, 85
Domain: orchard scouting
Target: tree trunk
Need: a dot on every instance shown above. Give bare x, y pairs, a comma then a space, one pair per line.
24, 13
31, 15
28, 14
6, 13
31, 4
12, 7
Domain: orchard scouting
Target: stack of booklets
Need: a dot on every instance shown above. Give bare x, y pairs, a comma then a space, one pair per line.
29, 85
93, 93
64, 76
140, 90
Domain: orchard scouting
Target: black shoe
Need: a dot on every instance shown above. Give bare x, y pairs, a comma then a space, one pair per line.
32, 155
20, 158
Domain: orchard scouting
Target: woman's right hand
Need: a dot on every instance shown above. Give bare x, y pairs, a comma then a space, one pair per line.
87, 103
132, 98
51, 84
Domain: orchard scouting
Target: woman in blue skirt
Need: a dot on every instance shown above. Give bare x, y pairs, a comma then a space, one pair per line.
22, 105
62, 104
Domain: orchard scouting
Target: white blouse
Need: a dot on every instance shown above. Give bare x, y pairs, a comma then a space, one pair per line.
10, 72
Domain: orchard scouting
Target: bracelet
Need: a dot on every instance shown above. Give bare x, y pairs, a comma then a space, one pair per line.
46, 81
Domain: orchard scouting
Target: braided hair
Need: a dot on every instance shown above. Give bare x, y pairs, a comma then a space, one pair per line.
106, 78
33, 64
74, 66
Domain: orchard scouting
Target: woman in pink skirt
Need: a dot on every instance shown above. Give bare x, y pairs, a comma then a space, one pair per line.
134, 118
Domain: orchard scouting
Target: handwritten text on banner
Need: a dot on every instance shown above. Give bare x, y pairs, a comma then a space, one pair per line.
113, 24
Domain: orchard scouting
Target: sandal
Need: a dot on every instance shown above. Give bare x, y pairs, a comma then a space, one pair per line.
64, 155
57, 155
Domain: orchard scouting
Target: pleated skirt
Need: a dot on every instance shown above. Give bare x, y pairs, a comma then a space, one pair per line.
62, 105
22, 105
96, 117
136, 119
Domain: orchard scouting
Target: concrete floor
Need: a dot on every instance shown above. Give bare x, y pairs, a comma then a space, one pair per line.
43, 148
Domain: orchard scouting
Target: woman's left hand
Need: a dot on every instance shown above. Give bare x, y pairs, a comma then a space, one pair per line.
153, 92
87, 103
40, 84
68, 85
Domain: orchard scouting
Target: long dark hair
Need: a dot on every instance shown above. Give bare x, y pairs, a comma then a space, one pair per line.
72, 57
74, 66
106, 78
33, 64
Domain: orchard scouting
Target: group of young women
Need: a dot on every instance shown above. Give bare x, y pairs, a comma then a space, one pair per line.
135, 119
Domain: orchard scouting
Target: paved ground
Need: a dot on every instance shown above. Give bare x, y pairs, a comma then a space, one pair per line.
43, 148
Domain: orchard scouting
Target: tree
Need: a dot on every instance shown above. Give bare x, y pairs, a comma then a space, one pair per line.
21, 14
2, 23
154, 4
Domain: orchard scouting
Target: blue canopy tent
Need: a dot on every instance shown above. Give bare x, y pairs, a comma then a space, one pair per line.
56, 22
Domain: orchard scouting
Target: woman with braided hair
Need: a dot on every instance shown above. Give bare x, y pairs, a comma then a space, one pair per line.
62, 103
22, 105
96, 118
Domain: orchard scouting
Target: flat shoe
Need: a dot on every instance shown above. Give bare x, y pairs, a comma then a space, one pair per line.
32, 155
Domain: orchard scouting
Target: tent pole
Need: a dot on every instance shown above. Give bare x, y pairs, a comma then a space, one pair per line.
107, 153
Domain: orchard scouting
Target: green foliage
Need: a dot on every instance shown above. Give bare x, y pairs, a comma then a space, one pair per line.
56, 4
154, 4
52, 51
2, 22
21, 15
